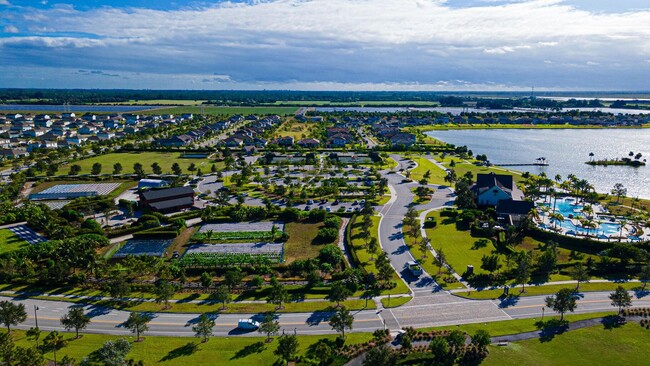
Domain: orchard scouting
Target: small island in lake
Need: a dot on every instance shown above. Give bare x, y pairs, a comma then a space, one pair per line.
633, 160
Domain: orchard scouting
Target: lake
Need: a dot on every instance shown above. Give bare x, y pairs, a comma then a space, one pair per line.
566, 151
74, 108
457, 111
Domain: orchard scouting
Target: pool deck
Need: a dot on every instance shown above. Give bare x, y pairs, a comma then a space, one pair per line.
600, 212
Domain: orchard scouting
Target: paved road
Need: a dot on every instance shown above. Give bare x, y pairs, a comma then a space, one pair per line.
423, 311
390, 228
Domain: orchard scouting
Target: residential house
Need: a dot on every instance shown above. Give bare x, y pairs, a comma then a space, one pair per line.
403, 139
492, 188
309, 143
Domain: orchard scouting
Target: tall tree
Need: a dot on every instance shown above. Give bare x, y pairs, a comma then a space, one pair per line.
164, 291
117, 168
440, 350
221, 294
233, 278
75, 318
54, 341
206, 280
12, 314
523, 270
113, 352
287, 347
440, 260
138, 323
269, 326
644, 275
338, 292
203, 327
580, 274
341, 320
155, 167
278, 294
563, 301
138, 170
621, 299
380, 356
96, 169
490, 263
619, 191
176, 169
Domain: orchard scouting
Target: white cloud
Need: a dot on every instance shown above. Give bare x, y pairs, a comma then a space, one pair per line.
4, 2
10, 29
381, 42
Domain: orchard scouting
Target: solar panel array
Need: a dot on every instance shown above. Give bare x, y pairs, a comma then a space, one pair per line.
155, 248
68, 191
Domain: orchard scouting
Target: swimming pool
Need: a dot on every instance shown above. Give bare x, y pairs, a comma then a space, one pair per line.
569, 208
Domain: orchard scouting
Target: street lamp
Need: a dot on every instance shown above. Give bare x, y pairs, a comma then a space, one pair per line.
36, 315
543, 308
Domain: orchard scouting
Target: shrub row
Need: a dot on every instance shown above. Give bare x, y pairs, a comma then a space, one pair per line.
350, 351
642, 312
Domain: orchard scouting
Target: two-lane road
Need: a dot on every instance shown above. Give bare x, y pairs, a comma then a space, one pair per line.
437, 309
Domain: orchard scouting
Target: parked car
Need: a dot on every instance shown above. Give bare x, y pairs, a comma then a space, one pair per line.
414, 268
328, 209
248, 324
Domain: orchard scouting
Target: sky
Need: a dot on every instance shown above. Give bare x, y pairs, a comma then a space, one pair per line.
438, 45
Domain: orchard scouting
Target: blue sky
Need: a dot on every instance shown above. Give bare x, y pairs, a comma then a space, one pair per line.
326, 44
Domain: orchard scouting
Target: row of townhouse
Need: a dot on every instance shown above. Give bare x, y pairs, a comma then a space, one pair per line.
252, 134
22, 133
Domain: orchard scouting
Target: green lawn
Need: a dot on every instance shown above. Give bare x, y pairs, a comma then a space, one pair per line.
158, 102
424, 165
358, 245
164, 159
457, 245
301, 241
429, 265
225, 111
10, 241
467, 165
515, 326
295, 129
154, 350
532, 290
394, 302
625, 345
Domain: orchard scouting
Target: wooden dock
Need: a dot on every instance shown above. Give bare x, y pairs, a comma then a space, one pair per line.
523, 164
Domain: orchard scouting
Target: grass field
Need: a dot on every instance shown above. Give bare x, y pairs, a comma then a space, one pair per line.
164, 159
624, 345
457, 245
295, 129
154, 350
394, 302
515, 326
224, 111
164, 102
323, 103
301, 241
467, 165
10, 241
437, 175
532, 290
358, 245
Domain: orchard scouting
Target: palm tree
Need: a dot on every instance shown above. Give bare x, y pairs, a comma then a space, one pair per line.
54, 341
558, 217
620, 234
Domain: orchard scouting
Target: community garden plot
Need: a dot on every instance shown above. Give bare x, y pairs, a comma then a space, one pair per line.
245, 231
71, 191
220, 255
154, 248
